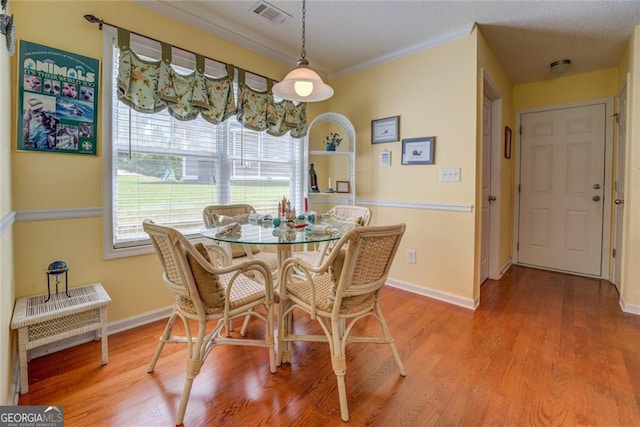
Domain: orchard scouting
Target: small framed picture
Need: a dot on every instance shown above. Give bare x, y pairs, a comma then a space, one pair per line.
385, 159
418, 151
343, 187
507, 142
385, 130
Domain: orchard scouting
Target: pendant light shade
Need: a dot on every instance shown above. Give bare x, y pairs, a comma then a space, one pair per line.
302, 84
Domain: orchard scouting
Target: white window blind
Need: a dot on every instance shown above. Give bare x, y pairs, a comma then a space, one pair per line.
168, 170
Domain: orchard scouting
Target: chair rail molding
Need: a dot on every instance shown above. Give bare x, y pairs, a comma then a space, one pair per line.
430, 206
6, 222
53, 214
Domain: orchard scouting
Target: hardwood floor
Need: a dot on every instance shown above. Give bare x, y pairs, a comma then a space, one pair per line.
543, 348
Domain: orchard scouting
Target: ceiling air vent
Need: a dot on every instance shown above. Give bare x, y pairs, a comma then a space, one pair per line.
270, 12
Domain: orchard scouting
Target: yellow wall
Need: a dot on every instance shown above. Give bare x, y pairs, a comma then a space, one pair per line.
49, 181
435, 96
6, 234
631, 268
563, 90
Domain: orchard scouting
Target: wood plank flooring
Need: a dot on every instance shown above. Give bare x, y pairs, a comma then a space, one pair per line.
542, 349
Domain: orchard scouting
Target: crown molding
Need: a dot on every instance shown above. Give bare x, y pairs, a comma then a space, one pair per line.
455, 34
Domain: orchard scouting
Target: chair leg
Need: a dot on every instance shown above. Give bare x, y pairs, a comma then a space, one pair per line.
389, 339
396, 356
339, 364
186, 391
245, 325
193, 369
166, 334
270, 339
284, 328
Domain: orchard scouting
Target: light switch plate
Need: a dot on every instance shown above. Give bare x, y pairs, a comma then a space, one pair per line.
449, 174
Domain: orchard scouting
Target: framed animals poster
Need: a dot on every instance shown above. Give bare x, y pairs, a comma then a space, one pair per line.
57, 100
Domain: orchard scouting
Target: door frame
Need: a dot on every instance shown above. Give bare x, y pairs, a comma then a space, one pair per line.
605, 269
621, 171
491, 91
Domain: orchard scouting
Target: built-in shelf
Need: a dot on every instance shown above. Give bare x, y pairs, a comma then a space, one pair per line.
342, 159
330, 153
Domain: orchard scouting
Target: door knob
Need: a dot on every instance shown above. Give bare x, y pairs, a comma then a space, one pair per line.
492, 198
596, 198
618, 201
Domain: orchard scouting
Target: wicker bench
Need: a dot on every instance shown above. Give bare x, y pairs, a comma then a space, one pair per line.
40, 323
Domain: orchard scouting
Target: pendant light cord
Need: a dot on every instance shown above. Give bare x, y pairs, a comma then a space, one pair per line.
303, 54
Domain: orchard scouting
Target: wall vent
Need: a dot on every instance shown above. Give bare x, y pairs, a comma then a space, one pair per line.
270, 12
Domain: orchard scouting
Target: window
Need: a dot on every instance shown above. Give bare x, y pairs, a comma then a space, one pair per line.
168, 170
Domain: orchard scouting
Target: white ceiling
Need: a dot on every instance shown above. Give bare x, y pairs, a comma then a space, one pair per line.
344, 36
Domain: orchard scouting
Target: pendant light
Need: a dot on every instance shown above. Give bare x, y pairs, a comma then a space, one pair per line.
302, 84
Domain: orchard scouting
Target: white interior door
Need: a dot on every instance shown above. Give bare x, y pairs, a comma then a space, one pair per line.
562, 178
486, 189
619, 186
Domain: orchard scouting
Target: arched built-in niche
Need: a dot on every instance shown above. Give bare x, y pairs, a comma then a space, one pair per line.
337, 165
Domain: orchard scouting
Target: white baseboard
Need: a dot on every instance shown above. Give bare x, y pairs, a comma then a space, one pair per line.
505, 267
471, 304
629, 308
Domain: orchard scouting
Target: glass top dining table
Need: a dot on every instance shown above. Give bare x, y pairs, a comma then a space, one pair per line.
283, 238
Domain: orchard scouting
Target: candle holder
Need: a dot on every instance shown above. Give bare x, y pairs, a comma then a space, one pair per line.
56, 268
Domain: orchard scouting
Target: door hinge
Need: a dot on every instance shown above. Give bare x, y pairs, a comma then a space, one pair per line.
518, 188
617, 117
517, 246
613, 254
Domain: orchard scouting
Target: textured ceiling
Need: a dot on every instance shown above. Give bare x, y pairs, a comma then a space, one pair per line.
344, 36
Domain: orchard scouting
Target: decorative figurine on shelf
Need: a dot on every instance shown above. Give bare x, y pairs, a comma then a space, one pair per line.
313, 180
56, 268
332, 141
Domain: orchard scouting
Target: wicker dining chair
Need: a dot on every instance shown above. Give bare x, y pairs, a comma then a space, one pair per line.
343, 290
219, 215
360, 215
345, 214
209, 295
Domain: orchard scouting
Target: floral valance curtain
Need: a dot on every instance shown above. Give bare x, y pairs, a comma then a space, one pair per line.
151, 86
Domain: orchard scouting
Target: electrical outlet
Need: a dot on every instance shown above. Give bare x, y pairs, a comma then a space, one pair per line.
449, 174
411, 256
